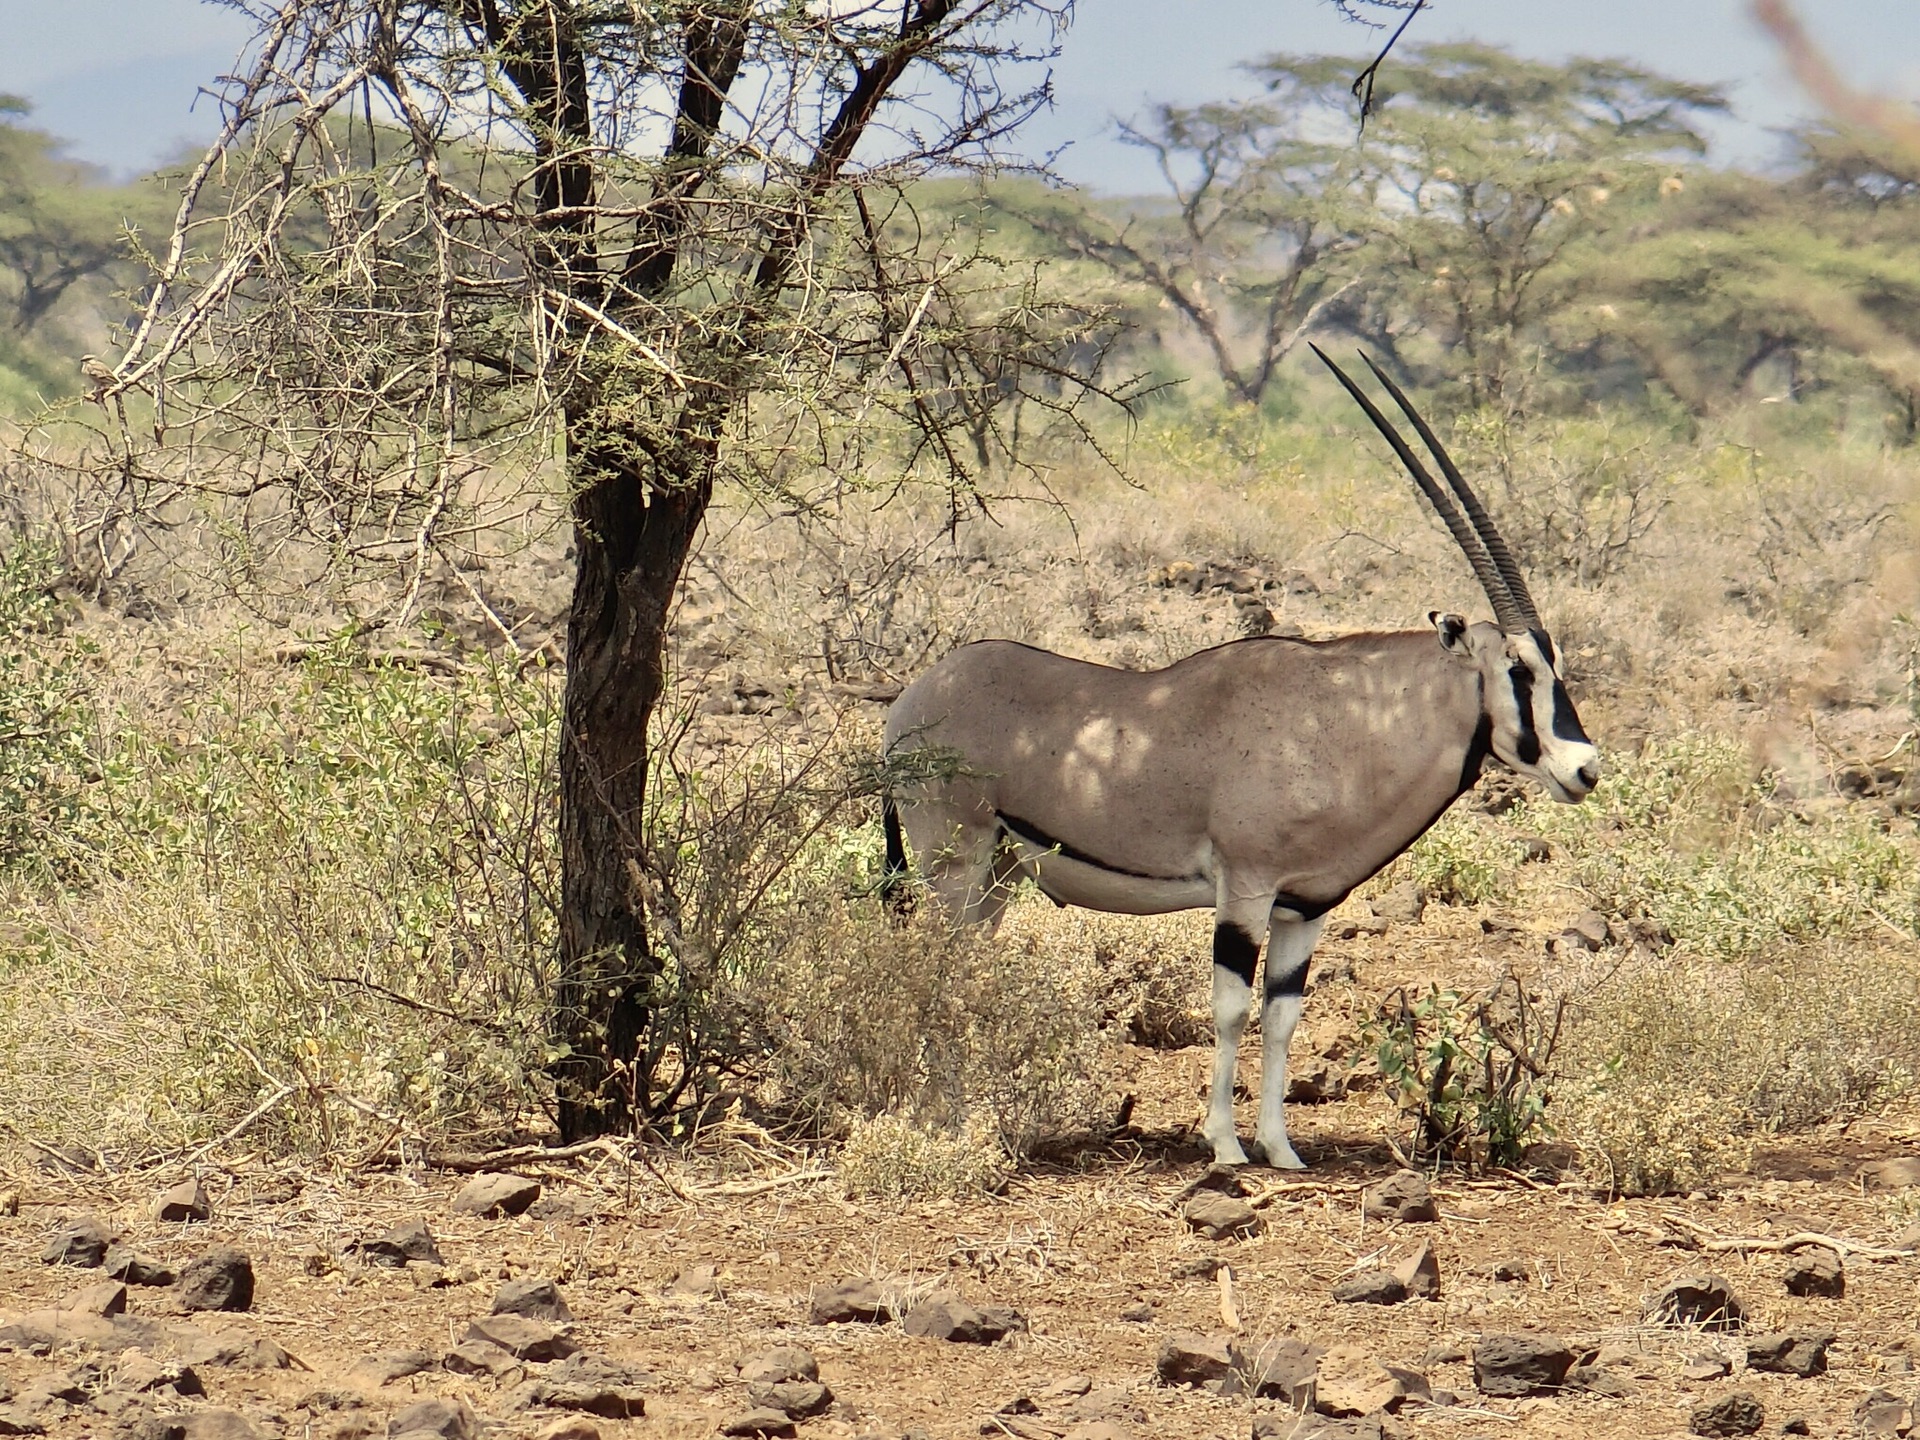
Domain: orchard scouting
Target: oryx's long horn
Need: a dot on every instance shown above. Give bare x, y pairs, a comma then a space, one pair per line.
1497, 550
1506, 609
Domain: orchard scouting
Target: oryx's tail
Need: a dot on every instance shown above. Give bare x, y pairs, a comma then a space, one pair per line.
893, 883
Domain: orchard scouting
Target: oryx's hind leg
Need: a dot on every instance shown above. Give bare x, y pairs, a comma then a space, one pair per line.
1237, 927
964, 862
1289, 947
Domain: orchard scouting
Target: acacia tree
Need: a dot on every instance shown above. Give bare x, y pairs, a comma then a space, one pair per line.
645, 242
1262, 214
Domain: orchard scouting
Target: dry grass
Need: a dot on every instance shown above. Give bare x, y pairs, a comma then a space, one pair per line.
1745, 663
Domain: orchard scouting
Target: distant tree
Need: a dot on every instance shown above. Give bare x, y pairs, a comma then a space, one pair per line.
1819, 271
1488, 176
1250, 253
60, 223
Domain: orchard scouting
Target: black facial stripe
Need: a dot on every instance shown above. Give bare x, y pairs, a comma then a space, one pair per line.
1566, 724
1287, 982
1235, 951
1039, 839
1527, 747
1545, 642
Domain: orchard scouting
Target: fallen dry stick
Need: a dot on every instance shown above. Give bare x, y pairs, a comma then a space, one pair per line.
1799, 1240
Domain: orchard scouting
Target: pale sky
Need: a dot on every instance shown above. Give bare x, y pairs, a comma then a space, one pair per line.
118, 78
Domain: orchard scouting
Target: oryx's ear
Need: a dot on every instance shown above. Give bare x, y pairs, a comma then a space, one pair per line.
1452, 628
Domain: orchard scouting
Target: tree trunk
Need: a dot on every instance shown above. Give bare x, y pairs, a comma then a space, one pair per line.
630, 549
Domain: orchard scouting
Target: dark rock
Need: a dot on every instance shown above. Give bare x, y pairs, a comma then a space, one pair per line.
1738, 1413
851, 1302
782, 1362
1599, 1380
799, 1399
1704, 1300
1908, 1239
108, 1297
229, 1350
125, 1265
221, 1279
1404, 904
491, 1196
1900, 1173
1882, 1413
1701, 1368
1189, 1358
535, 1298
389, 1366
1140, 1314
1315, 1080
948, 1317
1316, 1427
592, 1385
760, 1421
1795, 1352
403, 1244
1285, 1370
478, 1357
185, 1201
696, 1282
1520, 1364
1353, 1381
524, 1339
16, 1421
448, 1419
1510, 1271
1196, 1267
1219, 1217
200, 1425
82, 1243
1350, 927
1402, 1196
1796, 1425
1420, 1273
138, 1371
1370, 1287
1817, 1272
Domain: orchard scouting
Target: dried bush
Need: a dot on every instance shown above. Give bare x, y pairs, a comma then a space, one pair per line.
321, 908
868, 1016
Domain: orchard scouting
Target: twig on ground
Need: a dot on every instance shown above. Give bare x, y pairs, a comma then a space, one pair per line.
246, 1123
1229, 1312
1766, 1245
737, 1189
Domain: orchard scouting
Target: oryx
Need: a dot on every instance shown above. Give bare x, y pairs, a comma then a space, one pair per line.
1266, 777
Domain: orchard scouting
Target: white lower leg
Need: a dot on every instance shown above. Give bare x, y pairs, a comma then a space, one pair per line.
1289, 947
1277, 1022
1232, 1002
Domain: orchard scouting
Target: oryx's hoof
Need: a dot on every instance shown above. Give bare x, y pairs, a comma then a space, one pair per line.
1281, 1156
1228, 1152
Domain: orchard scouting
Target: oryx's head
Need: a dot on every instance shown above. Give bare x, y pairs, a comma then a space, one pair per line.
1532, 725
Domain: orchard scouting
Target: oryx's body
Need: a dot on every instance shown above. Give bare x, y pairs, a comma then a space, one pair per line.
1265, 778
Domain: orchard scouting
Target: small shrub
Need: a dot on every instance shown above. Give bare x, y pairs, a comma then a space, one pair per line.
1465, 859
45, 714
1639, 1136
1468, 1070
1684, 834
889, 1157
865, 1016
1681, 1065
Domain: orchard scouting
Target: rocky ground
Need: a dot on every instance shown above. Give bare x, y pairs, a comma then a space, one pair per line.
1132, 1292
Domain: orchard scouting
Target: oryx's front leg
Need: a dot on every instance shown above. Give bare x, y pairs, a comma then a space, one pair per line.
1237, 924
1289, 948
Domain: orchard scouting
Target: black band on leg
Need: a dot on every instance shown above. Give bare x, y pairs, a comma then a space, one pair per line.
1288, 982
1236, 952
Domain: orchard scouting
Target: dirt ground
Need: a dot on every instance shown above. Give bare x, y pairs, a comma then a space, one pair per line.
1092, 1251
